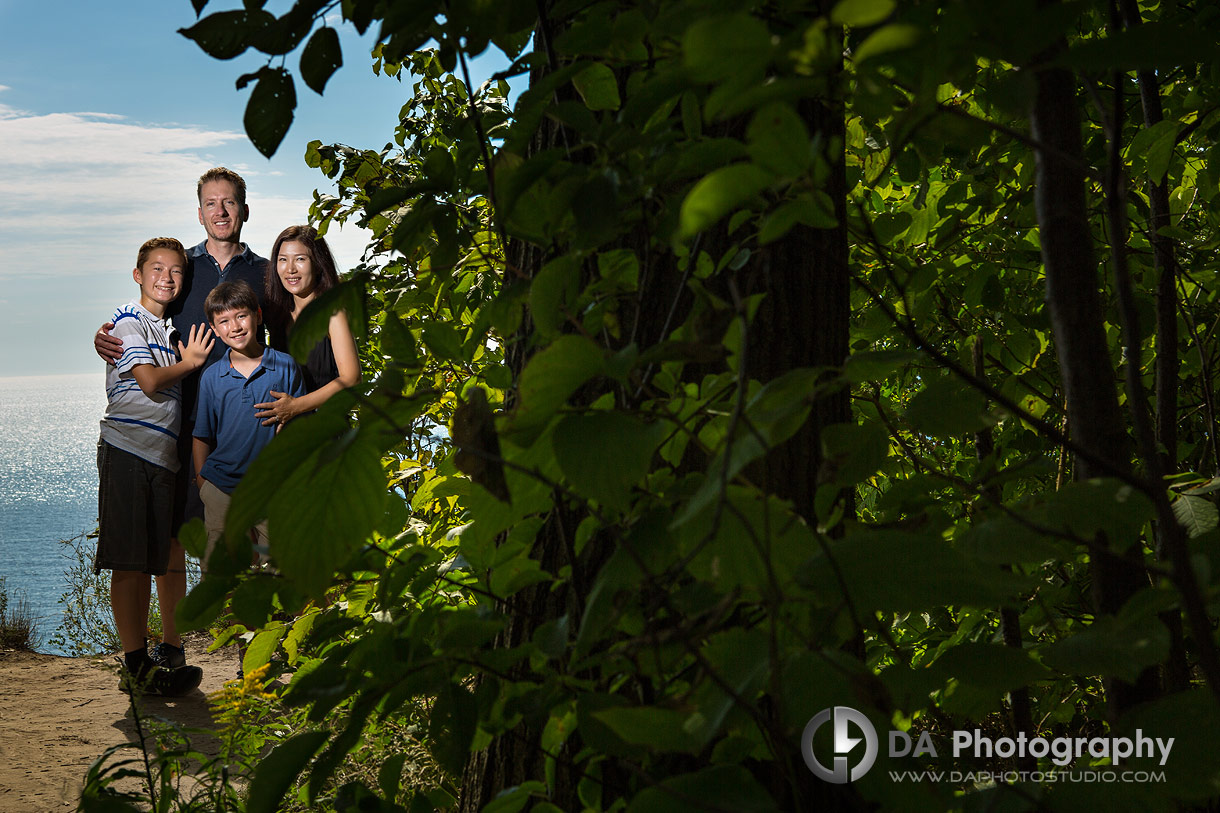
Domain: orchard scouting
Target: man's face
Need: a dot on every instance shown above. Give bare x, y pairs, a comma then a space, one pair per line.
237, 327
219, 212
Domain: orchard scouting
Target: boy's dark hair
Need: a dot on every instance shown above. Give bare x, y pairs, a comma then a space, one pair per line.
159, 242
222, 174
228, 296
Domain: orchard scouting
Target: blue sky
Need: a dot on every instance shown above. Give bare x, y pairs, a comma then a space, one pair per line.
107, 118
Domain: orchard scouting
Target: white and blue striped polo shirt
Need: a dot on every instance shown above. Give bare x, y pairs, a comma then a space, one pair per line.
145, 427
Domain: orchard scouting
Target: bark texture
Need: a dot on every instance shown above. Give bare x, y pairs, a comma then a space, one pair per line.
1087, 369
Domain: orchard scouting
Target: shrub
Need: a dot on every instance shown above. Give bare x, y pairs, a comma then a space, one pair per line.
87, 626
18, 626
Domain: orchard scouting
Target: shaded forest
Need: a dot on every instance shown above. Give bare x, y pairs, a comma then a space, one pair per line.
760, 358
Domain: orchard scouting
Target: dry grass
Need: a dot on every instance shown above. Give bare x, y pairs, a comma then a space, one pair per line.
18, 626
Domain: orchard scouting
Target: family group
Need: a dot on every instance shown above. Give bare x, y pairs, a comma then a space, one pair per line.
186, 415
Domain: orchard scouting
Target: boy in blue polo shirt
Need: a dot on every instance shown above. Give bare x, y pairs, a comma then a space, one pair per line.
227, 434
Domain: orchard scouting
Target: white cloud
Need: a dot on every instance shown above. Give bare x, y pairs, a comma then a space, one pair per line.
90, 187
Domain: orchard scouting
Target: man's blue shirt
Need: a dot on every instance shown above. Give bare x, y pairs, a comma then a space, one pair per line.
224, 414
203, 274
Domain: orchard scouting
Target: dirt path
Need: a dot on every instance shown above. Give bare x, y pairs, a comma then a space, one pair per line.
57, 715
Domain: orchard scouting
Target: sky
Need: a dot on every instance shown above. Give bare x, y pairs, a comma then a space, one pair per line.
107, 118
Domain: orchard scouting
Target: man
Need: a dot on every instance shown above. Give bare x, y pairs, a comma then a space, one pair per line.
222, 257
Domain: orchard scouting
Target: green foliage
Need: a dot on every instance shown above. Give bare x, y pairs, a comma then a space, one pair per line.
554, 524
18, 626
87, 624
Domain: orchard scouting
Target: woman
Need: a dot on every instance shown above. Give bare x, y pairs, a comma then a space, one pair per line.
301, 268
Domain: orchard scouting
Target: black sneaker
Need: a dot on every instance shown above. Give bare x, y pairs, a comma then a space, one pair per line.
168, 656
160, 681
175, 682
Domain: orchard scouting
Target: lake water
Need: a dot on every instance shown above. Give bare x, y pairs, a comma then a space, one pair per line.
48, 482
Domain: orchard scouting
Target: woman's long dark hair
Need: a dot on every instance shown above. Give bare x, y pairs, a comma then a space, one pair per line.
277, 302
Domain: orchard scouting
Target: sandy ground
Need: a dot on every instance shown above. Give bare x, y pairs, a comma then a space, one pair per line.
57, 715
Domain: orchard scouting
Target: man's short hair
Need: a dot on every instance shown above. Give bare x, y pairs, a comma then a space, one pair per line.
222, 174
229, 296
156, 243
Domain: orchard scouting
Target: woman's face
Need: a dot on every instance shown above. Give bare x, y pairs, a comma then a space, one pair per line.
295, 268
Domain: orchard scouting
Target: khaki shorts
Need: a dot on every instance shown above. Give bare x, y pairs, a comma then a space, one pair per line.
215, 508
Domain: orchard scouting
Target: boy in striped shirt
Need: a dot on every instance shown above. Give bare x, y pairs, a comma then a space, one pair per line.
137, 459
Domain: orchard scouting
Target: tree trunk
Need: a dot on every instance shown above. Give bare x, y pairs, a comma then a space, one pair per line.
802, 322
1080, 343
1164, 263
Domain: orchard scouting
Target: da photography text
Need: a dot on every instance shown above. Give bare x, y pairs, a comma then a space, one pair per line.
847, 761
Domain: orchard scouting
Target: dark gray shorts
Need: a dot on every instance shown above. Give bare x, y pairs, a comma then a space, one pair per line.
135, 502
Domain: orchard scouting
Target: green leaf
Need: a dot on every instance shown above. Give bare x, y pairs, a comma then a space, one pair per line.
1109, 506
778, 140
1152, 45
300, 628
278, 770
758, 543
389, 775
876, 365
893, 570
203, 603
1122, 645
994, 667
653, 727
313, 324
774, 414
720, 787
947, 408
310, 538
717, 47
321, 58
512, 800
227, 34
1191, 718
893, 37
598, 87
262, 648
858, 13
270, 109
253, 601
1197, 515
1153, 148
295, 443
553, 374
604, 454
194, 537
853, 452
444, 340
398, 342
719, 193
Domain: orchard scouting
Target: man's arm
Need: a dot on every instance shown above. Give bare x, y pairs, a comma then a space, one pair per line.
109, 348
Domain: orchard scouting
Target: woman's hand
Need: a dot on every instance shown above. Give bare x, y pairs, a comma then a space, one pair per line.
281, 410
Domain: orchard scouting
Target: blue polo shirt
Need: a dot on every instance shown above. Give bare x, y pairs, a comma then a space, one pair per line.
224, 415
202, 274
